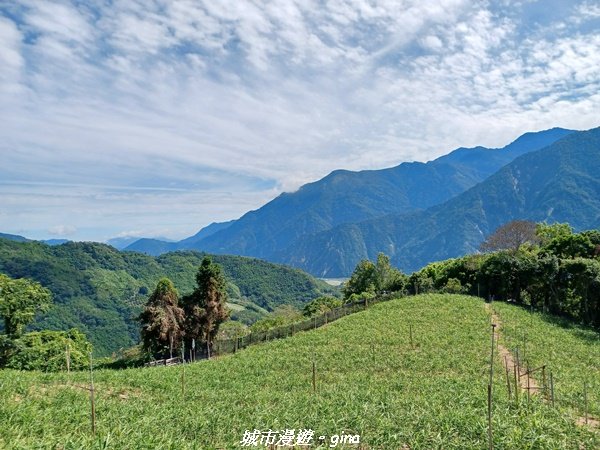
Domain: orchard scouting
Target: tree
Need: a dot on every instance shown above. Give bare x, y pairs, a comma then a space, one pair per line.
571, 246
20, 301
232, 329
45, 350
547, 232
162, 320
511, 236
363, 279
374, 278
282, 315
205, 307
320, 305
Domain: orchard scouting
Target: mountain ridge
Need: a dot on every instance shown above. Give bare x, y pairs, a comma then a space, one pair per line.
546, 185
350, 197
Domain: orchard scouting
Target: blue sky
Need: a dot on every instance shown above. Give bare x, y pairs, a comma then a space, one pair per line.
156, 118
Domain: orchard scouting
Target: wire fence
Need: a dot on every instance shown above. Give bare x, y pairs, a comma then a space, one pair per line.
226, 346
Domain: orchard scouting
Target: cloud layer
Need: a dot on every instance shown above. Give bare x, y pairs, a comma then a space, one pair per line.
162, 116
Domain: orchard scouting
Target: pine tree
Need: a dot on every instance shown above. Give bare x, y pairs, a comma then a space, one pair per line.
205, 308
162, 320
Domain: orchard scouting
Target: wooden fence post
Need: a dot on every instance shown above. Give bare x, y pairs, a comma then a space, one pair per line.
544, 387
552, 388
68, 357
507, 378
492, 355
314, 376
92, 400
182, 372
528, 386
489, 417
517, 384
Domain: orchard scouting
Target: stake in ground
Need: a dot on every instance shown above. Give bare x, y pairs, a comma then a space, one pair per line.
368, 381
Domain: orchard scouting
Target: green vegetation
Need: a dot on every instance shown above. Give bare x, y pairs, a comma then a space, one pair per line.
46, 350
162, 321
283, 315
320, 305
205, 307
20, 300
101, 291
369, 381
370, 278
561, 275
570, 351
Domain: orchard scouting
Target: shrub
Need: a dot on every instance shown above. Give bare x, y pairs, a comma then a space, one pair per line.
46, 350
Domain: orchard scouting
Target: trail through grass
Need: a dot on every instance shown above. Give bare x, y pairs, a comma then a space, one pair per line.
571, 352
370, 382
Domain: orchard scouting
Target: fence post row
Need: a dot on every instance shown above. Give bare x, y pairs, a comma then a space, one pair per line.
222, 346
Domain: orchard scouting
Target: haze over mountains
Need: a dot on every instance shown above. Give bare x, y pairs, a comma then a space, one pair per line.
316, 227
559, 183
414, 212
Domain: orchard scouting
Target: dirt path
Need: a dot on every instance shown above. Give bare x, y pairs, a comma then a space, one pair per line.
527, 383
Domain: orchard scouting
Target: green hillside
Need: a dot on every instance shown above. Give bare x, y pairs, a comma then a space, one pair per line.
345, 197
100, 290
556, 184
369, 382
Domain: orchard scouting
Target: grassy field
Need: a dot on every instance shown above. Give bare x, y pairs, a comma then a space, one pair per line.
369, 381
570, 351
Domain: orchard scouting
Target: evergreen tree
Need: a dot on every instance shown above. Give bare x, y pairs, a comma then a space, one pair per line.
205, 308
162, 320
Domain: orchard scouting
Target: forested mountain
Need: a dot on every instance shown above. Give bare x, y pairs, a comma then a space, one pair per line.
348, 197
100, 290
557, 184
13, 237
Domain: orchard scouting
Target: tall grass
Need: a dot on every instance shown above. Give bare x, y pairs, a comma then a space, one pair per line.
369, 382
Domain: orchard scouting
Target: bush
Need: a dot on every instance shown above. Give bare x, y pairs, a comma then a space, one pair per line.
46, 350
321, 305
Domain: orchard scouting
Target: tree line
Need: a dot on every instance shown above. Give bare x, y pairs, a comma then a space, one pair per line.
544, 266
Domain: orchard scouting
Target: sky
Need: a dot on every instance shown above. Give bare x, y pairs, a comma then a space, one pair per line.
156, 118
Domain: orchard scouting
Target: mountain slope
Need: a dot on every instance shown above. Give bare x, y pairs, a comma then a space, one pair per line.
13, 237
150, 246
157, 247
347, 197
556, 184
100, 290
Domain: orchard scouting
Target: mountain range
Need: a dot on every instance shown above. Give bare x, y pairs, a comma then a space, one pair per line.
559, 183
325, 215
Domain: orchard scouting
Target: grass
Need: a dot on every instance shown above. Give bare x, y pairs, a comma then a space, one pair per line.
369, 382
570, 351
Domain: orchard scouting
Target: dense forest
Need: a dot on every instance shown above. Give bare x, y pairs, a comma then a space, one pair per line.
100, 290
553, 269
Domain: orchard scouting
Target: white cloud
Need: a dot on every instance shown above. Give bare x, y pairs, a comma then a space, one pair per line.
62, 230
254, 97
11, 60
